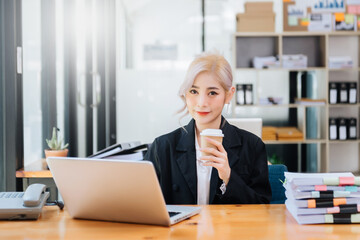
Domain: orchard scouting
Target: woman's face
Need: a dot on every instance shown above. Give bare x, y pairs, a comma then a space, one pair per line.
205, 100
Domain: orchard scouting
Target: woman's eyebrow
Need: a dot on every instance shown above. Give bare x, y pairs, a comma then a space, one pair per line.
209, 88
213, 88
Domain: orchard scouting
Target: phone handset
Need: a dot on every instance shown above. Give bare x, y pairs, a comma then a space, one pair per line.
33, 194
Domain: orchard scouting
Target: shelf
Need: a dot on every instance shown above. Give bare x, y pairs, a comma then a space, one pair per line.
279, 106
344, 33
257, 34
343, 69
317, 46
344, 141
309, 141
283, 69
296, 34
344, 105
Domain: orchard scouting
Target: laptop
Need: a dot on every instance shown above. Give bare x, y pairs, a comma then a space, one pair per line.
113, 190
253, 125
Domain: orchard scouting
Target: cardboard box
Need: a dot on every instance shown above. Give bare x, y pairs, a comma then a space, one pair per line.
256, 7
247, 22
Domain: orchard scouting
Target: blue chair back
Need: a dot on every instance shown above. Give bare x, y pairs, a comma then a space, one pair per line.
276, 173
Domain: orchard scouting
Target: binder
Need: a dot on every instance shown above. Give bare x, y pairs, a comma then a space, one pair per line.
332, 129
342, 129
128, 151
352, 128
240, 94
248, 94
353, 92
333, 93
343, 96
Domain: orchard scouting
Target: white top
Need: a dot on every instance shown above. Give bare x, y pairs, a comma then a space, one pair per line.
203, 178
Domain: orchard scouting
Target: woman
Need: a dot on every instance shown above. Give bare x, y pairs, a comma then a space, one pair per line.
234, 173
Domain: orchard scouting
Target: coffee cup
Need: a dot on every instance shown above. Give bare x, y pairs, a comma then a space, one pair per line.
215, 134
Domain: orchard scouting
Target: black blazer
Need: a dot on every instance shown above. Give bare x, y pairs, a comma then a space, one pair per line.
174, 159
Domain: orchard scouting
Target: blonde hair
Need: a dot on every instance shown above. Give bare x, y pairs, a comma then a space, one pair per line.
208, 62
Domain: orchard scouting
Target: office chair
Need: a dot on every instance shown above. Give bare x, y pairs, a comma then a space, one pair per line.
276, 173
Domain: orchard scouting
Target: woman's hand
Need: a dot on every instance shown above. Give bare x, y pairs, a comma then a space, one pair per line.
217, 159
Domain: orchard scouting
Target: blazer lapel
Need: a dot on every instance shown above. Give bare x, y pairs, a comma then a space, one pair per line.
231, 143
187, 157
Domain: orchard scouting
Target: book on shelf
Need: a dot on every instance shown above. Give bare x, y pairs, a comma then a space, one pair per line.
289, 133
309, 101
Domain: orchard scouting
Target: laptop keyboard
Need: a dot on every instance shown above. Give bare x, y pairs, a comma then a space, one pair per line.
11, 194
171, 214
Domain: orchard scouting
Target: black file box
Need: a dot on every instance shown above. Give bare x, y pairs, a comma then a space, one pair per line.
333, 129
240, 94
343, 93
353, 92
352, 129
342, 128
248, 94
333, 93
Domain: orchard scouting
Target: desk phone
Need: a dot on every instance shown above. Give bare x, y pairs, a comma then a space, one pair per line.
23, 205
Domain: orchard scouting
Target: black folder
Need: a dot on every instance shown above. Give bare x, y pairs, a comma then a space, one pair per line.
342, 128
240, 94
333, 93
333, 129
352, 92
352, 130
121, 149
343, 96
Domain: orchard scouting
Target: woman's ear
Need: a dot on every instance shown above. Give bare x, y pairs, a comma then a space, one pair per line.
229, 95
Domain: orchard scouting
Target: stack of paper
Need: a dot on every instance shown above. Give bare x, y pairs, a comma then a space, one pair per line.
314, 198
338, 62
265, 62
295, 61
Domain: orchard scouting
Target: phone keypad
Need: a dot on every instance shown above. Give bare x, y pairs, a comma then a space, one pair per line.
11, 194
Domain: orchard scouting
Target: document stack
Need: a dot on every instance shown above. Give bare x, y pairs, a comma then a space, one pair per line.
339, 62
316, 198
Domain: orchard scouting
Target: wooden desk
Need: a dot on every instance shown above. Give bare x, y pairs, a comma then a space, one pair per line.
214, 222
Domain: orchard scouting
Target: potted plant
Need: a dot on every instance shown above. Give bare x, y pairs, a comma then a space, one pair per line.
55, 146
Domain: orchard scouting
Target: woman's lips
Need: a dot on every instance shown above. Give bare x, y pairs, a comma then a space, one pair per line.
203, 113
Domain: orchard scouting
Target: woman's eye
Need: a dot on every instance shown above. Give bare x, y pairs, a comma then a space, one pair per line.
212, 93
192, 91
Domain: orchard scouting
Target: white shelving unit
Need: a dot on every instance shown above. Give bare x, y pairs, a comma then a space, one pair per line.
334, 155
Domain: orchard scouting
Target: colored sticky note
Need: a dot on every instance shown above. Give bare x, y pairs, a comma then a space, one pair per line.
352, 9
349, 18
305, 22
292, 21
339, 17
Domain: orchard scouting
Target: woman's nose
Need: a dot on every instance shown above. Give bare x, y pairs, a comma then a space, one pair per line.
202, 100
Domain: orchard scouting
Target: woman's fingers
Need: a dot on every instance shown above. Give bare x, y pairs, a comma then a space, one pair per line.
217, 144
214, 152
212, 159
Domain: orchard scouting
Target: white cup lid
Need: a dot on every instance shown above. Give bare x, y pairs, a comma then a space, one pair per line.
212, 132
